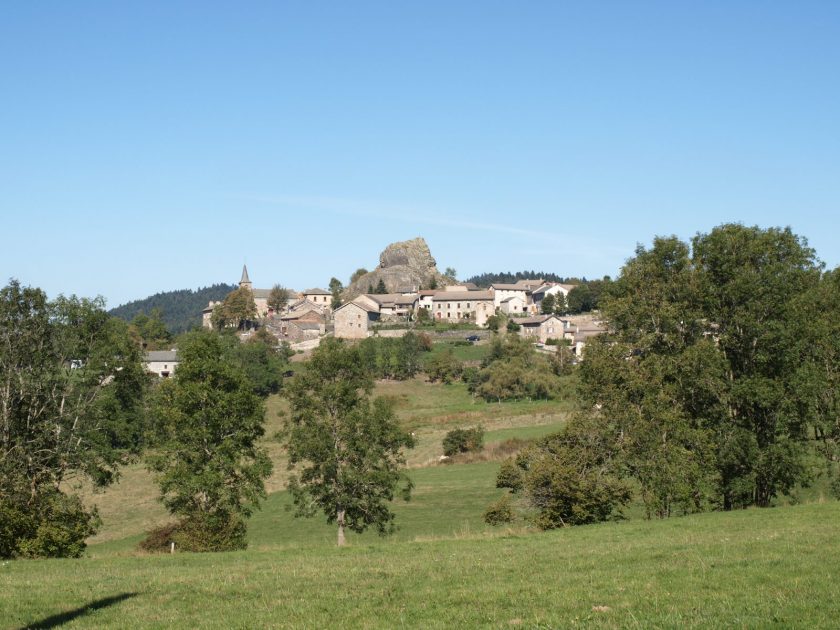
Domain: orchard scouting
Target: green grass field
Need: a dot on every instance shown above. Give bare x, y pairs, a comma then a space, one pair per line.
755, 568
443, 567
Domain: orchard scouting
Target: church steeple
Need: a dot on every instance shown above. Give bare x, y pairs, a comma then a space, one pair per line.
245, 281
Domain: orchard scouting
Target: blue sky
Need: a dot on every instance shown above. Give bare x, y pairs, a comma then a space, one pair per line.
159, 146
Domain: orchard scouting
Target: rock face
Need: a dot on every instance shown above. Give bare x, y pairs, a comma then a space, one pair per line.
402, 265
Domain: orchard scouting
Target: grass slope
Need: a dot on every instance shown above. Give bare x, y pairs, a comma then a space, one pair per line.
130, 507
753, 568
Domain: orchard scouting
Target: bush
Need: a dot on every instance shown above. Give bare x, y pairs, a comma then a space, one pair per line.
463, 441
159, 539
62, 529
510, 476
571, 478
443, 367
207, 532
499, 512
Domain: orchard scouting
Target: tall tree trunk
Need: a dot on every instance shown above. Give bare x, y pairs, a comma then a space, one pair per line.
340, 519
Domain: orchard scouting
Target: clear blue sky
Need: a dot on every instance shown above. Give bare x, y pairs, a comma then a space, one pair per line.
159, 145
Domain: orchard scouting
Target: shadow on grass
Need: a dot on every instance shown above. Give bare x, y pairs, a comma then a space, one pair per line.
55, 621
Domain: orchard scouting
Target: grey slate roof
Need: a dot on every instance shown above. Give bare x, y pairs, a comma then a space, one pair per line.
472, 296
316, 292
170, 356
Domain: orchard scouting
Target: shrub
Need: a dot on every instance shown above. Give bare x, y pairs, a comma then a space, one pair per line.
510, 476
213, 532
443, 367
571, 478
499, 512
159, 539
216, 532
64, 526
463, 441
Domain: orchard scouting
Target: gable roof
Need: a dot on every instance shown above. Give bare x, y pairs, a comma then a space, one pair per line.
536, 320
316, 292
360, 305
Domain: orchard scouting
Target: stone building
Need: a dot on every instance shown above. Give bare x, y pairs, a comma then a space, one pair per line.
459, 306
354, 319
544, 327
513, 306
161, 362
319, 297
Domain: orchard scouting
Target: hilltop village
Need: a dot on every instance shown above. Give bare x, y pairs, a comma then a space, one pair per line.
405, 291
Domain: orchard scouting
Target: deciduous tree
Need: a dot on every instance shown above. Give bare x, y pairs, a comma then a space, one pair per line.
206, 459
71, 389
278, 298
347, 447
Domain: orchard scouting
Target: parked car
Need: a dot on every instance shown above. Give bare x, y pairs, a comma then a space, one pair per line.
473, 338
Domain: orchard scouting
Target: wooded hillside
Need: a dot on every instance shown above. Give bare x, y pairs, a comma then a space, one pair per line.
180, 310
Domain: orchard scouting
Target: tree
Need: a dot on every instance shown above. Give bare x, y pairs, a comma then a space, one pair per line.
380, 288
702, 374
335, 289
547, 304
260, 361
463, 441
580, 299
751, 281
278, 298
450, 273
349, 448
570, 478
71, 390
151, 330
361, 271
560, 307
237, 310
206, 459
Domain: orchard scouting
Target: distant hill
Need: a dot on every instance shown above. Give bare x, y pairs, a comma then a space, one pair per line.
180, 310
507, 277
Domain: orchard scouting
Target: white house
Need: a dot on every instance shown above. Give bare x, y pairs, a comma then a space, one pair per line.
161, 362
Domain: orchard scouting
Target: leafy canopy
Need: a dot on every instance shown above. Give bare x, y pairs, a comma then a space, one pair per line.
347, 448
206, 459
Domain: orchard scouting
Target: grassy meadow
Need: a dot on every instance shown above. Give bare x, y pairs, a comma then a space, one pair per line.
753, 568
443, 567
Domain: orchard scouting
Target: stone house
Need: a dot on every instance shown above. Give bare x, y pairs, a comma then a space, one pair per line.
513, 306
521, 289
391, 304
161, 362
353, 320
425, 298
544, 327
319, 297
459, 306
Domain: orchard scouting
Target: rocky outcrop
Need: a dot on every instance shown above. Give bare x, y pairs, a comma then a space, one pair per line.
401, 265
